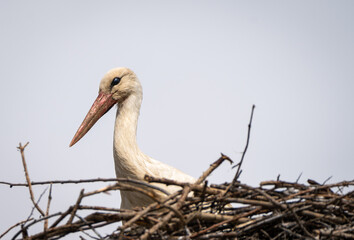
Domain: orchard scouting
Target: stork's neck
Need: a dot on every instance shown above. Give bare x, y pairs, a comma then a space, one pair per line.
127, 155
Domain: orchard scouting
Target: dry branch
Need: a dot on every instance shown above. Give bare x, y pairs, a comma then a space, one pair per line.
22, 150
48, 207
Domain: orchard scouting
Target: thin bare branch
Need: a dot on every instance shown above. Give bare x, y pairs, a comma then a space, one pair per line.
94, 180
13, 226
48, 207
243, 154
76, 206
22, 150
213, 167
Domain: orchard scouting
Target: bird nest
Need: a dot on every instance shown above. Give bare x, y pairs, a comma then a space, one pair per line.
272, 210
233, 210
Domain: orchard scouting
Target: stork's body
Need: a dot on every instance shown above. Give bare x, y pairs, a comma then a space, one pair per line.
121, 86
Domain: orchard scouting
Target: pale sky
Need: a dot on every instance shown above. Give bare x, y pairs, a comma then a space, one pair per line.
202, 65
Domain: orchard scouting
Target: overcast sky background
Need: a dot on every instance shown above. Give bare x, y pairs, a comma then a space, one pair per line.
202, 65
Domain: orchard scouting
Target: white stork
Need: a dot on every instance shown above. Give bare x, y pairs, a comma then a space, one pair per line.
121, 86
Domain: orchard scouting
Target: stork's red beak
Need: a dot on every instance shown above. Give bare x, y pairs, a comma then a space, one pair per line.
102, 104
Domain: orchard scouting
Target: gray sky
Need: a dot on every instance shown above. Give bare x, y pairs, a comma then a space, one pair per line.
202, 65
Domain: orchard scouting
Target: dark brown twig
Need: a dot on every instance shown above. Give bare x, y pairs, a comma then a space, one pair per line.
13, 226
76, 206
243, 153
125, 180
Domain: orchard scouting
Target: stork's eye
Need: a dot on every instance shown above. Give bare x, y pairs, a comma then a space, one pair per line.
115, 81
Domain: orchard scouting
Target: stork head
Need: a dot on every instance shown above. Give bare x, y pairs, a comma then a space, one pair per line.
119, 83
116, 85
